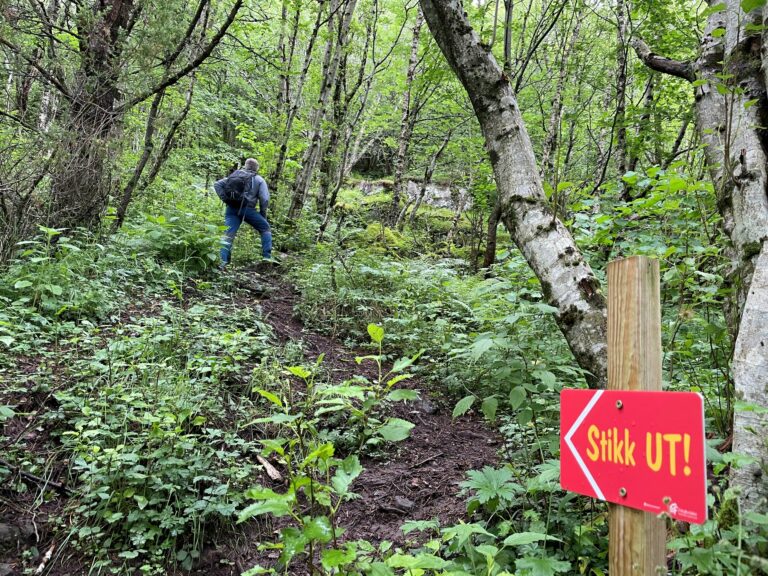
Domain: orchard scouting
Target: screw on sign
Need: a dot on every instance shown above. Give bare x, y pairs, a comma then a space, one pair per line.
644, 450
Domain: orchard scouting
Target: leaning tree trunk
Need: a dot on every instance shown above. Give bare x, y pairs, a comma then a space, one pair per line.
730, 116
567, 281
750, 372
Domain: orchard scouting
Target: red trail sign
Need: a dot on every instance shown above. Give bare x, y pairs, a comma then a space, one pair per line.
643, 450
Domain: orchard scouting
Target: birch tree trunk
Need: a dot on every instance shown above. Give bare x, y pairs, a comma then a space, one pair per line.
621, 87
750, 372
428, 173
337, 148
729, 117
334, 52
282, 152
556, 114
567, 281
406, 121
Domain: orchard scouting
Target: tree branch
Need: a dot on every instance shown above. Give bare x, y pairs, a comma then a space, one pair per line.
682, 69
202, 57
36, 65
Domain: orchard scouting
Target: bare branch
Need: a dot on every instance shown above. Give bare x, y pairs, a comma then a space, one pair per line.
36, 64
204, 54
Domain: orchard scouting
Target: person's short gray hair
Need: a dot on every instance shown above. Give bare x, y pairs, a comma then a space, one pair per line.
252, 164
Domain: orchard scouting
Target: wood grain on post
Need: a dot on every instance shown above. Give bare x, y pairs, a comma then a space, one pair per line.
637, 539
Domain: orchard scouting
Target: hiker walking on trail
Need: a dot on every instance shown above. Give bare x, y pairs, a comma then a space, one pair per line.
241, 191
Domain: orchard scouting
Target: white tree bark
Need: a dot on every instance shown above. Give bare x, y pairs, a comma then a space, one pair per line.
567, 281
750, 371
334, 50
406, 121
731, 108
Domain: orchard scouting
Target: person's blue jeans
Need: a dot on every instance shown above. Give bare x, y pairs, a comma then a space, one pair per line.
233, 218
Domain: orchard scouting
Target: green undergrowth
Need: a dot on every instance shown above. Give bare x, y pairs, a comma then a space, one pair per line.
164, 392
140, 392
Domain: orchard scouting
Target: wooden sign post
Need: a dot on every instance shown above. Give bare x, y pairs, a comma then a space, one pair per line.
632, 445
637, 538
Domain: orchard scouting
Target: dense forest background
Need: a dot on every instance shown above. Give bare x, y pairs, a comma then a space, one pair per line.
448, 185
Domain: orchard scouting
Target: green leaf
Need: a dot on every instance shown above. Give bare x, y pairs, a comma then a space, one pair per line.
749, 5
541, 566
322, 452
489, 484
545, 377
376, 333
54, 289
399, 378
333, 558
268, 502
395, 429
631, 178
7, 340
463, 405
299, 371
757, 518
345, 475
480, 347
462, 532
380, 569
749, 103
545, 308
21, 284
524, 416
517, 396
318, 529
419, 526
522, 538
402, 394
718, 32
712, 9
130, 554
269, 396
401, 364
6, 413
273, 446
141, 501
489, 407
487, 550
420, 561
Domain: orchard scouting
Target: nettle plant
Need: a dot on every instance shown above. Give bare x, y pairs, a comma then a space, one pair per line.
318, 481
144, 424
56, 276
179, 237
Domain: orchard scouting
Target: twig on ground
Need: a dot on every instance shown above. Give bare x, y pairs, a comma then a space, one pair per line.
37, 479
393, 510
422, 462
